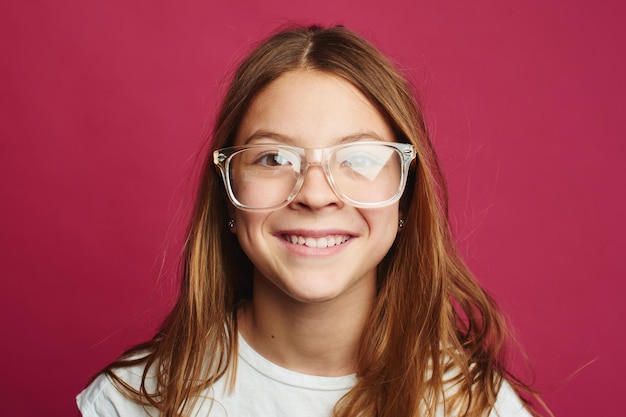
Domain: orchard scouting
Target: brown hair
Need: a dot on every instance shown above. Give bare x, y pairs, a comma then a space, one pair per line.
434, 336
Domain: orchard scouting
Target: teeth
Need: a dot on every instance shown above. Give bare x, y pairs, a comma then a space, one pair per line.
322, 242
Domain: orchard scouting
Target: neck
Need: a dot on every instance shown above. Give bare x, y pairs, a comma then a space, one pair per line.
313, 338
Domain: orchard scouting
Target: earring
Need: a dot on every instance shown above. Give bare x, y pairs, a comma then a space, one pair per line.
400, 223
231, 223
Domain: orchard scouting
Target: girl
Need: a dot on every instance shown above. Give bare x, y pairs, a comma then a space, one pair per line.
319, 274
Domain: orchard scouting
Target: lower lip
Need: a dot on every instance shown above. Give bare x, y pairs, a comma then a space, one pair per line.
303, 250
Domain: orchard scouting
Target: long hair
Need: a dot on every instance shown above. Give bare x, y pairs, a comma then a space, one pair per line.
434, 337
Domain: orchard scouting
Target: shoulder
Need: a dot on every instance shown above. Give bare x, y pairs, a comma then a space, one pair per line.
508, 403
103, 398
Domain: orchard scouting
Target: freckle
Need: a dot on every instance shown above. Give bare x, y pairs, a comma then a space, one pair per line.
272, 336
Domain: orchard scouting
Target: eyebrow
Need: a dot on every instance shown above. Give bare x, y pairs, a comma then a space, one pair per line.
262, 134
259, 135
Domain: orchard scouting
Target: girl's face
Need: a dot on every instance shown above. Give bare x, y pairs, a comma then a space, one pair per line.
310, 109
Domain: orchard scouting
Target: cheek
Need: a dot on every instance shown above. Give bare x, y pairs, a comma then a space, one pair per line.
246, 223
383, 223
249, 231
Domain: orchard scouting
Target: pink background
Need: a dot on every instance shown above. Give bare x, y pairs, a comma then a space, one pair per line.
104, 105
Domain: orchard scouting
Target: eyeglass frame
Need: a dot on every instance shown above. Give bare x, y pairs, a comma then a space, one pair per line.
222, 158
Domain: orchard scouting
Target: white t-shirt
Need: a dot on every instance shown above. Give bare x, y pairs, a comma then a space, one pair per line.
262, 388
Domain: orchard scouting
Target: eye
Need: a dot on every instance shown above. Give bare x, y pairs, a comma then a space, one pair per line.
273, 159
360, 160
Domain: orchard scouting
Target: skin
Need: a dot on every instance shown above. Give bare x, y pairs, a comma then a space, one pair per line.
310, 304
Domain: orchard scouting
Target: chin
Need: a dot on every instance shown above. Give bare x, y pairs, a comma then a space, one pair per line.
324, 293
313, 297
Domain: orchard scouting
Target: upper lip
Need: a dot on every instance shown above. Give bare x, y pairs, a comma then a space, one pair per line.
315, 233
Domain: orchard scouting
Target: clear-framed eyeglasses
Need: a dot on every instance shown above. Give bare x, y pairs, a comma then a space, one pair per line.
266, 177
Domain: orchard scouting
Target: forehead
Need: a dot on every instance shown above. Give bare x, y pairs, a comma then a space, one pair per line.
312, 109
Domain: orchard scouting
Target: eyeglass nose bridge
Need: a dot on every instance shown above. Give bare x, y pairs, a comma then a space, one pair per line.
315, 158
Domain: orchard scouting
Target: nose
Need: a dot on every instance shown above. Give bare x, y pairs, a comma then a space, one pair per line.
316, 191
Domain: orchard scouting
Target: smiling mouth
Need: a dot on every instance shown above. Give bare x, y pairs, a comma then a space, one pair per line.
322, 242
